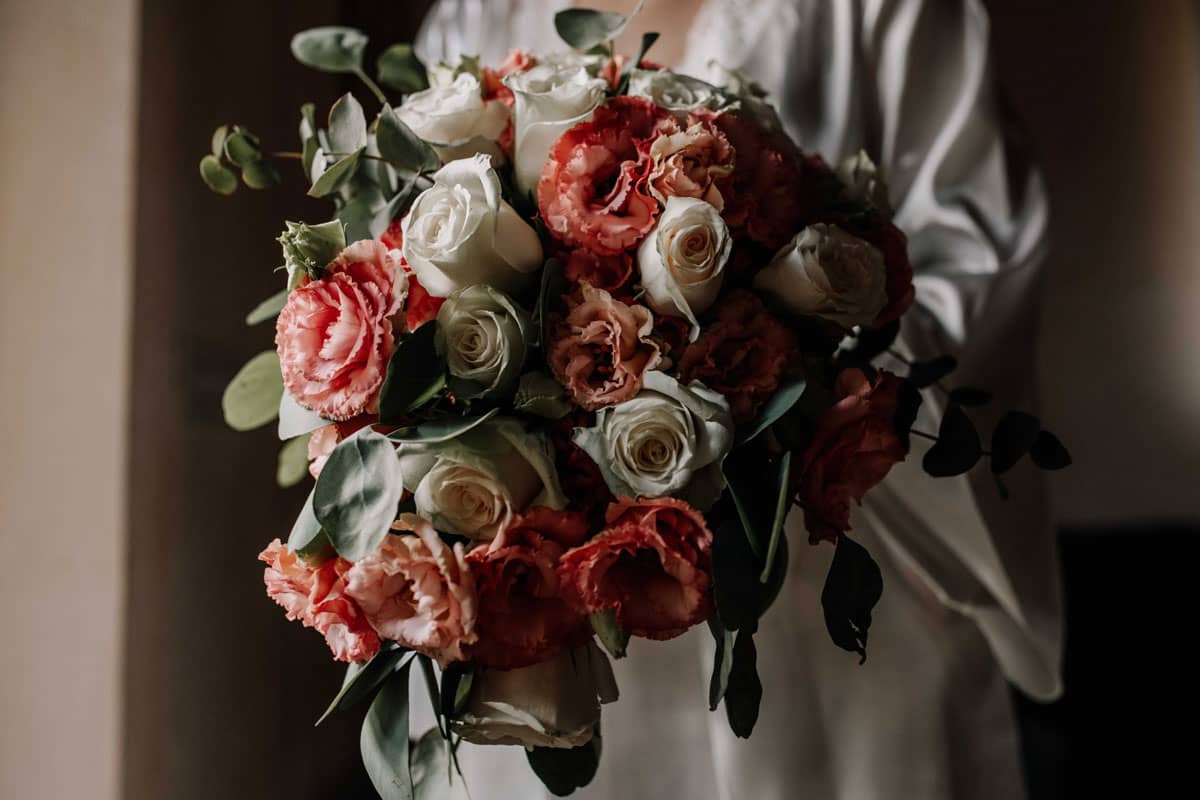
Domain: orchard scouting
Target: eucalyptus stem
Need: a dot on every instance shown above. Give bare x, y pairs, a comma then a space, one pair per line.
372, 85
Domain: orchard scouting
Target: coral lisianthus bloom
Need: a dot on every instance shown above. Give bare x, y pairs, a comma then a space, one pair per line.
651, 565
593, 190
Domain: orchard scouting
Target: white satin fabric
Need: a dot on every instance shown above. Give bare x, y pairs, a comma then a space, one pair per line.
970, 581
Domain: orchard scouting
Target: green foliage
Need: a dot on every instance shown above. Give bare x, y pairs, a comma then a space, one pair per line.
384, 739
780, 403
330, 49
306, 535
585, 28
563, 770
614, 638
362, 680
927, 373
1048, 452
336, 175
399, 145
743, 693
219, 178
553, 285
415, 374
722, 662
441, 430
399, 68
268, 309
251, 399
540, 394
357, 494
957, 448
347, 125
310, 248
242, 147
293, 462
1012, 437
434, 776
852, 588
260, 174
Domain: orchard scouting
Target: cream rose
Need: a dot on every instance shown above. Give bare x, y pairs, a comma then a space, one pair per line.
455, 119
548, 99
861, 182
669, 440
474, 485
460, 232
682, 260
482, 334
552, 704
676, 93
828, 273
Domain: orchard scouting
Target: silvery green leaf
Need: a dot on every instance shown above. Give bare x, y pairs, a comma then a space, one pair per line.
357, 493
585, 28
292, 467
252, 398
268, 309
218, 140
296, 420
399, 68
347, 125
330, 49
542, 395
217, 176
399, 145
260, 174
384, 739
333, 176
241, 147
306, 530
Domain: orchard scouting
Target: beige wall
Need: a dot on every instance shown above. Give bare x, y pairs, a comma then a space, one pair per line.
67, 83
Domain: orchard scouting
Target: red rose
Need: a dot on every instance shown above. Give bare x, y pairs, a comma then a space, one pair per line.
854, 447
593, 191
742, 355
651, 565
523, 618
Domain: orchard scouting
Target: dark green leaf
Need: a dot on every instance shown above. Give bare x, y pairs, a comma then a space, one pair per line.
870, 343
362, 680
540, 394
415, 374
585, 28
306, 530
217, 176
457, 679
292, 466
908, 403
970, 396
722, 662
347, 125
330, 49
1015, 433
384, 740
399, 68
783, 504
268, 309
357, 493
431, 686
774, 583
260, 174
563, 770
553, 284
251, 399
736, 588
610, 633
333, 177
441, 430
399, 145
958, 447
648, 40
241, 147
1049, 453
218, 140
756, 497
927, 373
852, 588
743, 695
779, 404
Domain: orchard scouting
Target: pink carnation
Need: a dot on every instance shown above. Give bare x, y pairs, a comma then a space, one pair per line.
601, 350
317, 597
690, 163
418, 591
593, 191
609, 273
651, 565
335, 337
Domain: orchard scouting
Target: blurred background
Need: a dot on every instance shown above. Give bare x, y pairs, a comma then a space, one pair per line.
142, 659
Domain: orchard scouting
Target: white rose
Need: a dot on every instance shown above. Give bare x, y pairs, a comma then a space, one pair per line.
548, 99
826, 272
474, 485
482, 334
676, 93
552, 704
460, 232
454, 118
747, 98
861, 182
669, 439
682, 260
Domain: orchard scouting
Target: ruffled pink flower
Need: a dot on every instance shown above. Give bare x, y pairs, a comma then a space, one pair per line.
652, 565
523, 618
601, 350
417, 591
593, 192
690, 163
334, 336
609, 273
493, 79
317, 597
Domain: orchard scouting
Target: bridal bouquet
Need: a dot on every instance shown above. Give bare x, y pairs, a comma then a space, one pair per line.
580, 335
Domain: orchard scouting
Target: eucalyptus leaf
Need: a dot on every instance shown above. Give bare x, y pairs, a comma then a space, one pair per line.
648, 40
292, 467
736, 588
782, 504
218, 140
260, 174
217, 176
957, 448
363, 679
330, 49
722, 662
384, 739
306, 530
441, 430
399, 145
295, 419
415, 374
585, 28
743, 694
432, 772
357, 493
347, 125
852, 588
251, 399
457, 680
241, 147
563, 770
1012, 438
334, 176
786, 396
1049, 453
552, 286
927, 373
614, 638
268, 309
540, 394
399, 68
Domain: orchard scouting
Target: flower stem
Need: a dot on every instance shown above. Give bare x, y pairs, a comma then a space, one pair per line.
372, 85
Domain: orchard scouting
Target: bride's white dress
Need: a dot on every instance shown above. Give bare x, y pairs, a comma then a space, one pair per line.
970, 585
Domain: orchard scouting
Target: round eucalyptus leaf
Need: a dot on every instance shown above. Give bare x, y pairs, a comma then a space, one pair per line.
241, 147
332, 48
347, 125
252, 398
293, 462
219, 178
357, 493
400, 69
218, 140
260, 174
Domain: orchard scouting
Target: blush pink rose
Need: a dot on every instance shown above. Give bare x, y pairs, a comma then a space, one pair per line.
417, 591
690, 163
602, 348
317, 597
854, 448
593, 192
742, 355
335, 337
523, 618
652, 565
